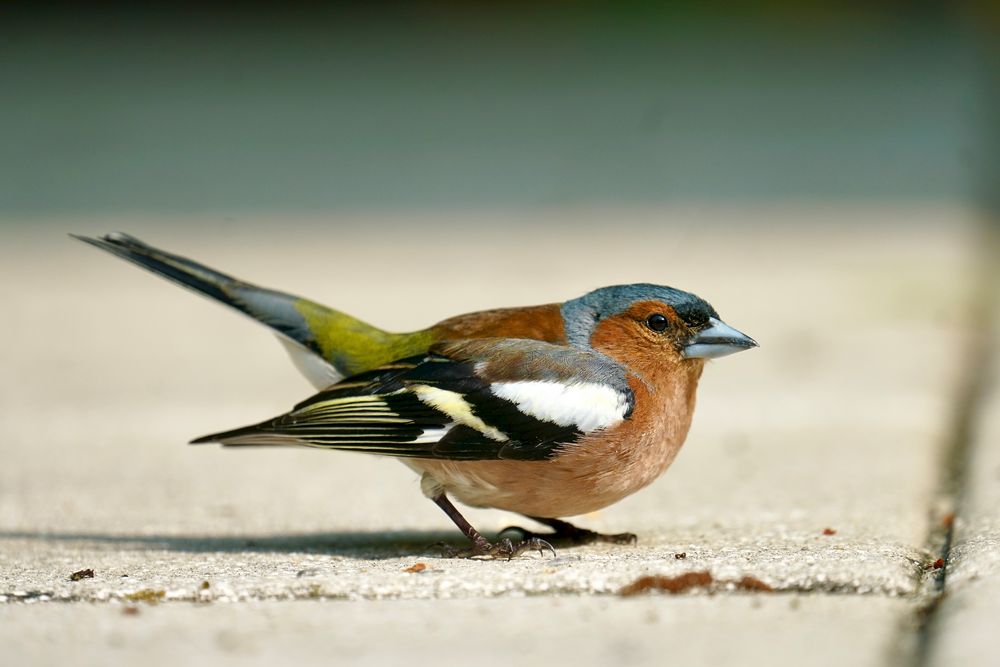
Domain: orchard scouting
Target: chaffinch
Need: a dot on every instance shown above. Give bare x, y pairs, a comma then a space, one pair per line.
548, 411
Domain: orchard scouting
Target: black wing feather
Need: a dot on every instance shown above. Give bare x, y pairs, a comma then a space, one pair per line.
382, 412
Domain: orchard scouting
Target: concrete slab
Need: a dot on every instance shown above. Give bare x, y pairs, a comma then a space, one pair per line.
363, 566
741, 630
811, 466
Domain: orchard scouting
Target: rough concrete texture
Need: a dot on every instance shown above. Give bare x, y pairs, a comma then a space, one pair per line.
812, 465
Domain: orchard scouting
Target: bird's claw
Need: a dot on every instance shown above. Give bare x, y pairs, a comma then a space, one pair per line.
504, 549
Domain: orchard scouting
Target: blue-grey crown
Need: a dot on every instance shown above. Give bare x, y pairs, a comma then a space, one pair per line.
581, 315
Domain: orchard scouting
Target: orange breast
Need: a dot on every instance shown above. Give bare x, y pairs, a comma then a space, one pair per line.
597, 471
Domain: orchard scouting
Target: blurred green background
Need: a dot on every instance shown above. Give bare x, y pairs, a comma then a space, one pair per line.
439, 106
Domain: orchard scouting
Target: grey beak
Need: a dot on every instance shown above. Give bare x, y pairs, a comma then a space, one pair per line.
718, 339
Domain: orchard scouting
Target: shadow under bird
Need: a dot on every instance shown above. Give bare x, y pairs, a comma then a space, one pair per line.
549, 411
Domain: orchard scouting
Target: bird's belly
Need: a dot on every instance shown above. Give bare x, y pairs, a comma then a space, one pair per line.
586, 478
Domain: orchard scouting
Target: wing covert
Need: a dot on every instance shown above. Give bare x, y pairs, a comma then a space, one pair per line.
473, 400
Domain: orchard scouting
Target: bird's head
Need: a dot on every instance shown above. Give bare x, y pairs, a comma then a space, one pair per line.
652, 321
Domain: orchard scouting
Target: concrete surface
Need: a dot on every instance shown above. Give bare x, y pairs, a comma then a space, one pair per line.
590, 631
966, 631
814, 463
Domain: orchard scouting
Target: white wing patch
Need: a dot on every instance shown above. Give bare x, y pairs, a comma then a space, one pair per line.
456, 407
588, 406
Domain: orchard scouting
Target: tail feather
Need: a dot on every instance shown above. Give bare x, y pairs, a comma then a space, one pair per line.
273, 308
177, 269
326, 345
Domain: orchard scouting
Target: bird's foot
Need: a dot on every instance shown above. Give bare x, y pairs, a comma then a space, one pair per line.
568, 534
502, 549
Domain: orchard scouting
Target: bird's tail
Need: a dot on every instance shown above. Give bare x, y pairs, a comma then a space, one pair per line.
325, 344
180, 270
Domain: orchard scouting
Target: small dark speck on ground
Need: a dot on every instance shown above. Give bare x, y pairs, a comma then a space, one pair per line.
681, 556
829, 531
146, 595
82, 574
691, 580
678, 584
751, 583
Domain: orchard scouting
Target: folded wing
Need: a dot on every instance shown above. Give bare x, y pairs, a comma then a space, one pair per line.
470, 400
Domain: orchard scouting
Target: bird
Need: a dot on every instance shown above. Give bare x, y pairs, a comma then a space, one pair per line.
548, 411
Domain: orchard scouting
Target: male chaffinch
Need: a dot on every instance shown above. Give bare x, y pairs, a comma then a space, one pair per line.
549, 411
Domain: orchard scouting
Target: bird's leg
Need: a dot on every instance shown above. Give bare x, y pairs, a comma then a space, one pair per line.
567, 533
481, 547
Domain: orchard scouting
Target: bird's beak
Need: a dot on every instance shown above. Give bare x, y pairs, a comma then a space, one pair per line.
717, 340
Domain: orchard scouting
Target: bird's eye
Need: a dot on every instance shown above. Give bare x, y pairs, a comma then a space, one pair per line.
657, 322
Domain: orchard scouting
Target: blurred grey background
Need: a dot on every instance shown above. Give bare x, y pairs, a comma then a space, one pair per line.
443, 106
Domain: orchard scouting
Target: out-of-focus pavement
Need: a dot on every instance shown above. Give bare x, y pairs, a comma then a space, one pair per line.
973, 573
821, 464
